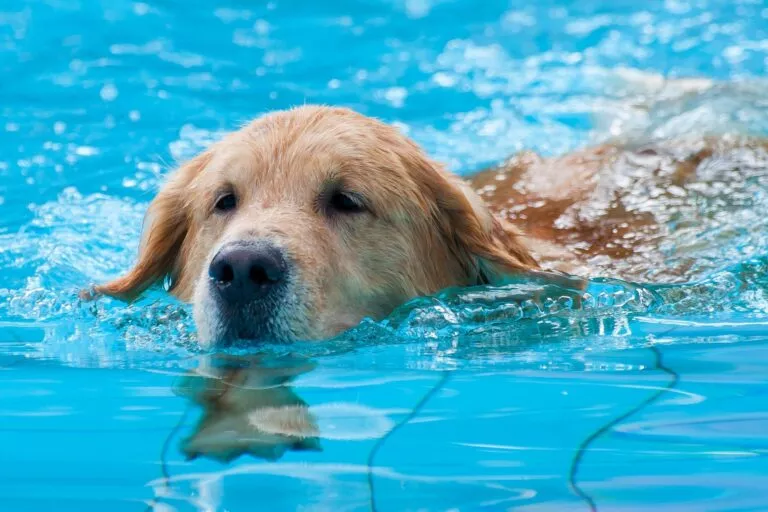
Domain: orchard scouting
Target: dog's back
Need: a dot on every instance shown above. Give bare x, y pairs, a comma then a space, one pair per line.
627, 210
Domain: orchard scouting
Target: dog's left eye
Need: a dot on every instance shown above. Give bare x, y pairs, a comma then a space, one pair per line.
344, 202
226, 202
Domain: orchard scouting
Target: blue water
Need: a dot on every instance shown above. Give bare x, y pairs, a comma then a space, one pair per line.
650, 397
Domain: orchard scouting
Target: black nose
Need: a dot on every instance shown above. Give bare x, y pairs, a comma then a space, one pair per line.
247, 272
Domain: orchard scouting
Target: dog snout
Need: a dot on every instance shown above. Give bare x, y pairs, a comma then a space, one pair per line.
244, 273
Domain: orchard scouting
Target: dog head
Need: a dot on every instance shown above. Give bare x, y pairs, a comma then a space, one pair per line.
306, 221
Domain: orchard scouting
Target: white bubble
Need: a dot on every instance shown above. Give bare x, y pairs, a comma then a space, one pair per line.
134, 115
734, 54
86, 151
396, 96
108, 92
444, 79
59, 127
404, 128
417, 8
261, 27
140, 8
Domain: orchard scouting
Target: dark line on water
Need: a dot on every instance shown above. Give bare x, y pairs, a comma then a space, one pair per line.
383, 439
164, 455
585, 444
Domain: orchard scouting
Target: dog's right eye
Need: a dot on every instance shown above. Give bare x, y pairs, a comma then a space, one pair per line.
226, 203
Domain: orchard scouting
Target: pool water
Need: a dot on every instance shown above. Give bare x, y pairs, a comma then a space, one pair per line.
651, 396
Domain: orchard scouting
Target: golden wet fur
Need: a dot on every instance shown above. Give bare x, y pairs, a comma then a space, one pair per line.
423, 230
607, 210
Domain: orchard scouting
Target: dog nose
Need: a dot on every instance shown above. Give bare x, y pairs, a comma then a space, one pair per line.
247, 272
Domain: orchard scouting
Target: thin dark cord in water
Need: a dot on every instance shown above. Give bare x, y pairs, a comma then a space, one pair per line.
164, 454
585, 444
383, 439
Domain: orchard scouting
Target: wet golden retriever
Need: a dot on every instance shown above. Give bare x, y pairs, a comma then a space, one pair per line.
306, 221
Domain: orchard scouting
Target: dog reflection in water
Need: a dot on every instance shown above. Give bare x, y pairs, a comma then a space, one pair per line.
248, 407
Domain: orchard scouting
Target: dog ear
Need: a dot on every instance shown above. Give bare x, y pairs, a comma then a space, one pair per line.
493, 246
165, 227
487, 247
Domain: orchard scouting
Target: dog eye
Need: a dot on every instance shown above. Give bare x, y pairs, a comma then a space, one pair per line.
344, 202
225, 203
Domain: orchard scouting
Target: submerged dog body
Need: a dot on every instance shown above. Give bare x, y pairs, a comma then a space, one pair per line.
306, 221
632, 211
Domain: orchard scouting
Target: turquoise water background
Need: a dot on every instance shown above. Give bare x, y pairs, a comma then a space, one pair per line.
652, 397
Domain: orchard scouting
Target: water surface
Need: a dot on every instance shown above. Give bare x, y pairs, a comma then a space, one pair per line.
651, 396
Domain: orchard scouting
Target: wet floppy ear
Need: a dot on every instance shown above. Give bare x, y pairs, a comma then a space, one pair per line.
492, 248
165, 227
487, 247
495, 247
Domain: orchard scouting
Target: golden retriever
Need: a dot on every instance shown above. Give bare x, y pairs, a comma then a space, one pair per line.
306, 221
